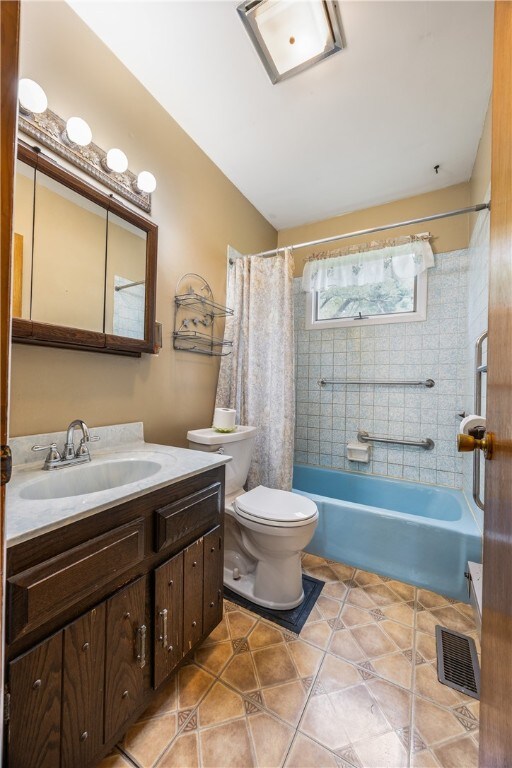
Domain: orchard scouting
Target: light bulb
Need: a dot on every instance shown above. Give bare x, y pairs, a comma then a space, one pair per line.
146, 182
31, 96
78, 132
116, 160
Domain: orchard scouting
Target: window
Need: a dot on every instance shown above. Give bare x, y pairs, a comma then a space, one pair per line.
375, 283
394, 300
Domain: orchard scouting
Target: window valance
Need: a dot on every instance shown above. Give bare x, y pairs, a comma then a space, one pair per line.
371, 263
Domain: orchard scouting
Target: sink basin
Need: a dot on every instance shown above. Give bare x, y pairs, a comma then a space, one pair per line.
89, 478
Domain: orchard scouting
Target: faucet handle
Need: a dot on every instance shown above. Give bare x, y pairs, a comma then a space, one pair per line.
50, 447
82, 449
53, 454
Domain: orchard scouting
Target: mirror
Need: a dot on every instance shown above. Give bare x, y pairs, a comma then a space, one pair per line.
82, 263
126, 290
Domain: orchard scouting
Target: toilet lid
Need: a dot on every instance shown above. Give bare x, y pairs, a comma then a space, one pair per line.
268, 505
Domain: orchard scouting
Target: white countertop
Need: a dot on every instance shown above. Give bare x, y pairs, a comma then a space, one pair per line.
27, 518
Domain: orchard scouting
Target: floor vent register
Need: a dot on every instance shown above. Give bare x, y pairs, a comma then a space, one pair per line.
457, 662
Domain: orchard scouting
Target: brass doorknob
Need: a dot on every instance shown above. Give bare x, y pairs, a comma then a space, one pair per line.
466, 443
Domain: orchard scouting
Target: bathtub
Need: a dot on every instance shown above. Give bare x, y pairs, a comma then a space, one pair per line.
420, 534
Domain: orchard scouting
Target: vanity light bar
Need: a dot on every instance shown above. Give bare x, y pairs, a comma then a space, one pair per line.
72, 140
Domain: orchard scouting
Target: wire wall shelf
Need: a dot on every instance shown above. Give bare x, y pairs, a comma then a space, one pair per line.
195, 313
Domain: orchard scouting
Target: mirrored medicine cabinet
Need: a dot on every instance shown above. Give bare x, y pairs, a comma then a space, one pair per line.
84, 272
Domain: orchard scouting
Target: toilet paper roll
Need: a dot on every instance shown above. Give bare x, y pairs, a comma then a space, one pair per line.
470, 422
224, 419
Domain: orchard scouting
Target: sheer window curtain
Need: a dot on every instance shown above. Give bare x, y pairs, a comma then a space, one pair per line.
368, 263
258, 377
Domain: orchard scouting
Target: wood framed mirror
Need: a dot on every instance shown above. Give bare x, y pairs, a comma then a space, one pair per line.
84, 272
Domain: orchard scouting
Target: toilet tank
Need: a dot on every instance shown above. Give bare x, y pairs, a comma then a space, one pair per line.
239, 445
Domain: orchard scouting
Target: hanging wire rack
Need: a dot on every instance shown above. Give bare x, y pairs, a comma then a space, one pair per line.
195, 313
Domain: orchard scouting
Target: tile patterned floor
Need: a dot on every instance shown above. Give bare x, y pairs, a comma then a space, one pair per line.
357, 689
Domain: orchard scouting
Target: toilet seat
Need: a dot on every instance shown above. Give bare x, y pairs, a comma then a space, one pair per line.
272, 507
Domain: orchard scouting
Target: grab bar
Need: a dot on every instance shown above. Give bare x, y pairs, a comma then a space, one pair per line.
479, 370
364, 437
427, 383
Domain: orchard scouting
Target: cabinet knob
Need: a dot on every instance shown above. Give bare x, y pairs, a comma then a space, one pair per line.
127, 615
212, 604
85, 647
194, 623
212, 549
36, 684
171, 583
83, 736
170, 648
194, 564
124, 695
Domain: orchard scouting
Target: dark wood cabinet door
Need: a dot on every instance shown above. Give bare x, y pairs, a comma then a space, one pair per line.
35, 681
168, 629
82, 689
192, 594
213, 579
127, 645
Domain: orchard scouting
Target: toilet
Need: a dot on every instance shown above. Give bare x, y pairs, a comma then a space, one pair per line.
265, 529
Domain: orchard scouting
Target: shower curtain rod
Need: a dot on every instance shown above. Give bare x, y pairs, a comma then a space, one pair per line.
128, 285
360, 232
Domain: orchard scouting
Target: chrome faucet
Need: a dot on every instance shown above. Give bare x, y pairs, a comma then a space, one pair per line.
69, 448
70, 455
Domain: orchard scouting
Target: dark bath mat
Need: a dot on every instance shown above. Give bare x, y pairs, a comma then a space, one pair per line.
293, 619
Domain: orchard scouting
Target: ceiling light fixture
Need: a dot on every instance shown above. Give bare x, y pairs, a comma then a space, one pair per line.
31, 97
291, 36
78, 131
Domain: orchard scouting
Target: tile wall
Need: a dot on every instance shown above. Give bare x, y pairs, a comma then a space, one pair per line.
436, 348
478, 301
129, 309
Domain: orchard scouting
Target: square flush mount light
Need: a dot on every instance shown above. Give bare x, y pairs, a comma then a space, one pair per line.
292, 35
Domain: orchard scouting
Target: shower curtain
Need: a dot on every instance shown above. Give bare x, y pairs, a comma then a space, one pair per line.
258, 377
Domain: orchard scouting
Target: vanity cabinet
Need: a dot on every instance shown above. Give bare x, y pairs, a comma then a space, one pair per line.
168, 631
213, 564
56, 697
188, 601
83, 688
80, 672
35, 683
126, 655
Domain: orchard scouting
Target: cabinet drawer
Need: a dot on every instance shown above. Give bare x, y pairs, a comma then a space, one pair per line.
43, 591
181, 522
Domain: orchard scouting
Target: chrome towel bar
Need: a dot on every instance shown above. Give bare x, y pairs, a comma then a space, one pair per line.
364, 437
427, 383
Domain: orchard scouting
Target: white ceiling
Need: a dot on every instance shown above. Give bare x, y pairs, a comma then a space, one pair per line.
363, 127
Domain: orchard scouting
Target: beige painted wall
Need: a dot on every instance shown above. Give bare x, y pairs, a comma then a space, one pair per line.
448, 234
481, 175
198, 212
